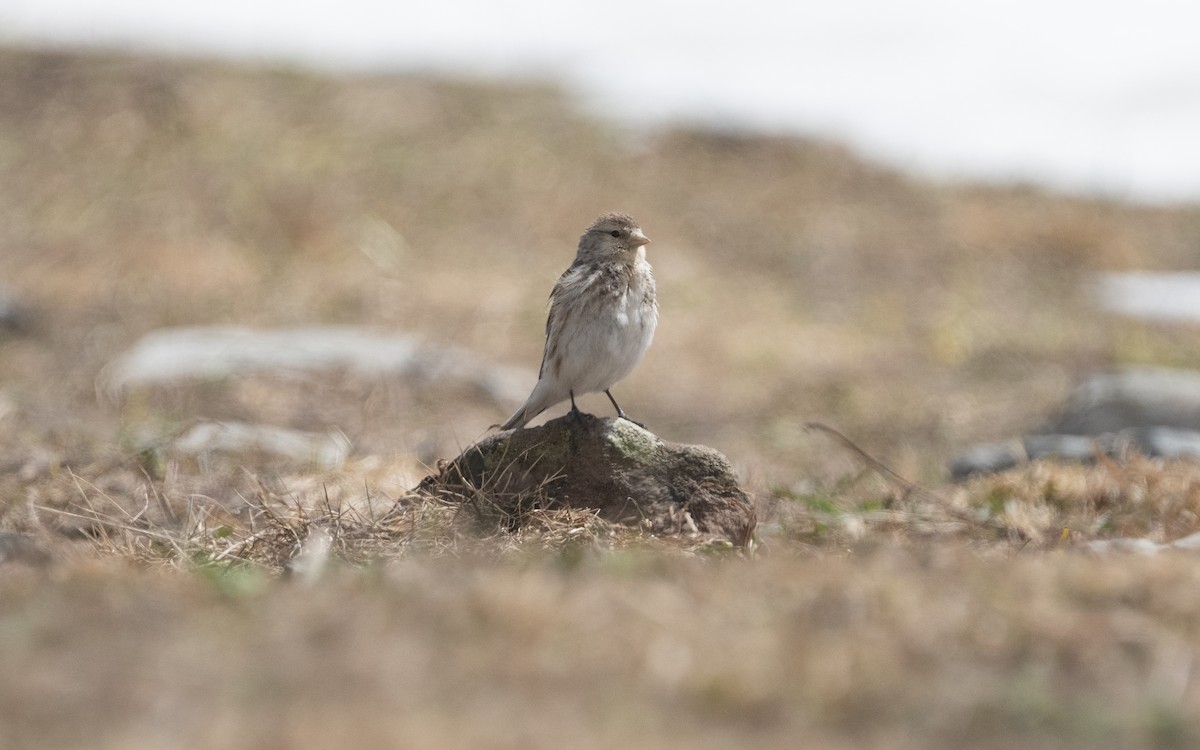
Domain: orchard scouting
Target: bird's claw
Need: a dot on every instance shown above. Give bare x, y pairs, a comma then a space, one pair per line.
628, 418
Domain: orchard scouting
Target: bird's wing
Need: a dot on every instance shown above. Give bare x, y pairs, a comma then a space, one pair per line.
546, 347
556, 296
571, 289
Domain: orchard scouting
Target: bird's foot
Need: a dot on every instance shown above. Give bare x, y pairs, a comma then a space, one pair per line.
574, 414
627, 418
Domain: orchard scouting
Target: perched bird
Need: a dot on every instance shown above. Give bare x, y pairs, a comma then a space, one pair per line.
603, 312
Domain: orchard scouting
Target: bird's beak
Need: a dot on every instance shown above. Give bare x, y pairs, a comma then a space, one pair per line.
637, 239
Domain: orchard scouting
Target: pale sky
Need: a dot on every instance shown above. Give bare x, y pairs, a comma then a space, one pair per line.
1094, 96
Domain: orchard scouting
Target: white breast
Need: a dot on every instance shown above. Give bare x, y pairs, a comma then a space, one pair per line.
609, 345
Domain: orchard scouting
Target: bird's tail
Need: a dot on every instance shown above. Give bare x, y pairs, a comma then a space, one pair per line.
519, 419
542, 398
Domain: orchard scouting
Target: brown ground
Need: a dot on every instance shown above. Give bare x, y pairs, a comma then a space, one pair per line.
798, 283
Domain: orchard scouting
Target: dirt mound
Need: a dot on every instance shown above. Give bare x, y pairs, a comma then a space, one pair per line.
630, 475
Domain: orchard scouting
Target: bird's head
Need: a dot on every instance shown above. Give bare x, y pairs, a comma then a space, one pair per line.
613, 235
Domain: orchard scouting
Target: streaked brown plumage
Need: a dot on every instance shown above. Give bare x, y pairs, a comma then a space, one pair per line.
603, 312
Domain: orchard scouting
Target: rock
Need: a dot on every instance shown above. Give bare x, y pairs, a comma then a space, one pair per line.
991, 458
1134, 397
1166, 442
1152, 410
1083, 448
1135, 546
21, 548
312, 559
987, 458
625, 472
173, 355
1155, 442
1189, 543
13, 315
1166, 297
1143, 546
328, 451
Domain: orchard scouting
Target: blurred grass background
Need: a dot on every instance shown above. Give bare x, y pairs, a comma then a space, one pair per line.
797, 282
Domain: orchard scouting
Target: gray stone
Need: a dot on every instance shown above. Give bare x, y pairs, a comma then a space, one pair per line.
1067, 447
987, 458
1143, 546
21, 548
1167, 442
611, 465
1189, 543
172, 355
1134, 546
1154, 411
328, 451
991, 458
13, 315
1172, 297
1135, 397
1155, 442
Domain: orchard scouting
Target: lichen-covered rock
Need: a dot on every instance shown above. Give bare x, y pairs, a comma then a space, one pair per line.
625, 472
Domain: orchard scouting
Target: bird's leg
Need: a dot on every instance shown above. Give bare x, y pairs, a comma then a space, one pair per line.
621, 412
574, 413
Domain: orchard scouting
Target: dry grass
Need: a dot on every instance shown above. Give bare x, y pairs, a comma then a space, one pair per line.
244, 600
897, 649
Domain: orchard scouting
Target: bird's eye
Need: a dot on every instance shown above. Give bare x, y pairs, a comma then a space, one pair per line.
615, 233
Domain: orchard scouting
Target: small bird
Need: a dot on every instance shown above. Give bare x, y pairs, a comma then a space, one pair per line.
603, 312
